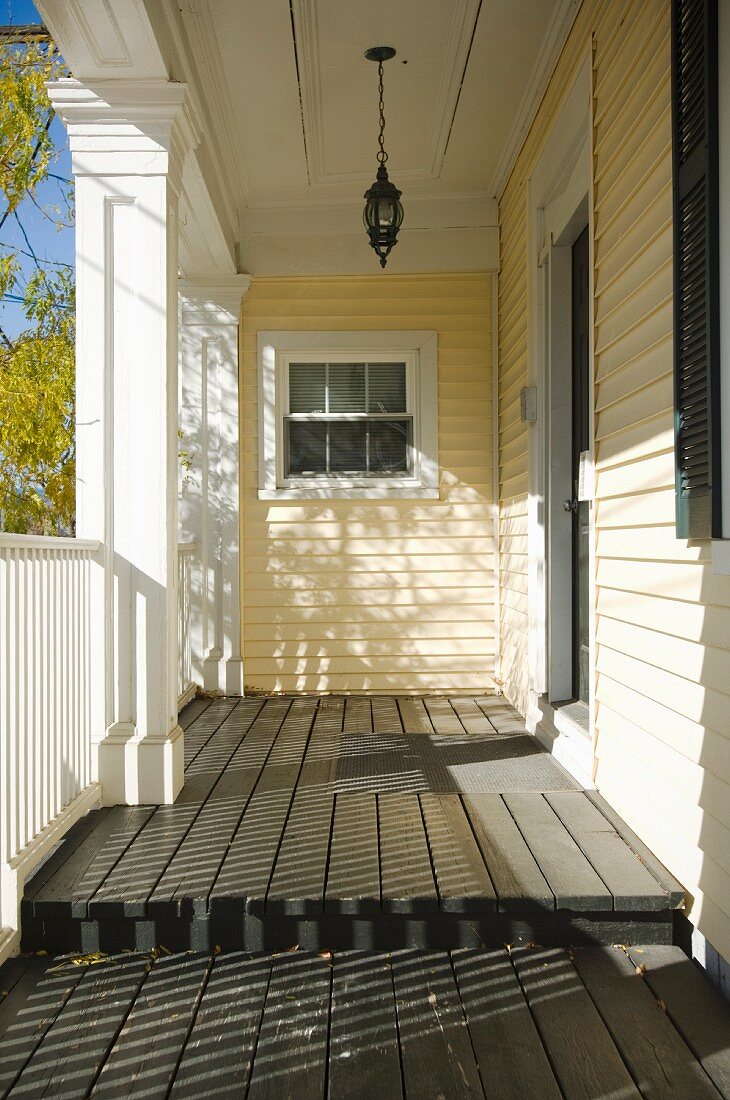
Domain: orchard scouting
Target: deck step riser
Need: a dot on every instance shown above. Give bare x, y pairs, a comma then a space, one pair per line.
340, 933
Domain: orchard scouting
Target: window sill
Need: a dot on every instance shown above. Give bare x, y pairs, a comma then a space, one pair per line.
374, 492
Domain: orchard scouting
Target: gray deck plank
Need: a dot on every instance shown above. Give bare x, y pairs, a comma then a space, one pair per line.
506, 720
512, 1059
443, 718
658, 1058
436, 1051
353, 878
407, 882
414, 716
189, 877
668, 882
472, 718
298, 882
572, 879
67, 893
463, 881
358, 715
27, 1015
245, 873
246, 870
76, 836
321, 759
386, 718
518, 882
581, 1051
693, 1006
193, 710
218, 1055
291, 1056
364, 1060
202, 728
19, 977
145, 1055
76, 1045
632, 885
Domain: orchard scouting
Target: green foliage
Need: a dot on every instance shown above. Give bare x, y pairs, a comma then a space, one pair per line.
26, 148
37, 370
37, 479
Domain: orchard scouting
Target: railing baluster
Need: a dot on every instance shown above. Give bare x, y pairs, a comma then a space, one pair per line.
45, 662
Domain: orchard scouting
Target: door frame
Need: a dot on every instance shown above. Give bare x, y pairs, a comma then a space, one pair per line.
560, 205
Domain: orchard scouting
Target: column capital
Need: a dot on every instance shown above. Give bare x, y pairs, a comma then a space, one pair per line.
127, 127
214, 299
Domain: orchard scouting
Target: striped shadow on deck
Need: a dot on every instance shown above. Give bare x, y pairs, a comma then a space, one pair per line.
354, 823
533, 1023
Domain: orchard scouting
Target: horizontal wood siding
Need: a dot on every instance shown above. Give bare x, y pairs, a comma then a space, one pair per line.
389, 596
663, 623
663, 618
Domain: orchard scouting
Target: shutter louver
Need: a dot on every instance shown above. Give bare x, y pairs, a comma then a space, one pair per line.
696, 268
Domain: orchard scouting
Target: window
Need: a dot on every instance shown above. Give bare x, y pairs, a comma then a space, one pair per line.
348, 414
342, 421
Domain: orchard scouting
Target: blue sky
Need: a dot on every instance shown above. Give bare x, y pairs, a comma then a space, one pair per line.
46, 241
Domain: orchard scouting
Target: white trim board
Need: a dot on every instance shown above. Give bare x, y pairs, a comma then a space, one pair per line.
420, 346
558, 208
557, 35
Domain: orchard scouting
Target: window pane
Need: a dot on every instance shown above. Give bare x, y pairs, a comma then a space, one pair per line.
307, 447
390, 446
347, 388
387, 387
306, 387
348, 448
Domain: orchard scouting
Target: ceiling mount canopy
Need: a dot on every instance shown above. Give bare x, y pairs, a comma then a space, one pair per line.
383, 212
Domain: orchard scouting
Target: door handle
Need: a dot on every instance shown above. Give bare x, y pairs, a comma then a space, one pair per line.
570, 505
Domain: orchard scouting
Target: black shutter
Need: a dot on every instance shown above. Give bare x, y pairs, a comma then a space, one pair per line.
696, 268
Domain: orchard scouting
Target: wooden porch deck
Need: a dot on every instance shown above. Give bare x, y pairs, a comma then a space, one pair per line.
531, 1024
339, 823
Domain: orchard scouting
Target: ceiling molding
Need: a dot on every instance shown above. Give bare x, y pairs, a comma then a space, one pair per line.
209, 93
555, 38
204, 249
461, 33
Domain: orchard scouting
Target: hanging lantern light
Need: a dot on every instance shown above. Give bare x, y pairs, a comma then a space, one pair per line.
383, 212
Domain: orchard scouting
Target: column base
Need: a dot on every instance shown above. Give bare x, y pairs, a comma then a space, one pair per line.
135, 770
223, 674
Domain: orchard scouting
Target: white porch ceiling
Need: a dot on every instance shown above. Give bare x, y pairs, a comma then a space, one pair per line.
288, 106
301, 99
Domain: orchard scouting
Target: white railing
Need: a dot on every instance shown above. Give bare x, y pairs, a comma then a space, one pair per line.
45, 735
185, 682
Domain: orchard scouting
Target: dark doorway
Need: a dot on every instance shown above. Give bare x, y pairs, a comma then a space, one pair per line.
581, 443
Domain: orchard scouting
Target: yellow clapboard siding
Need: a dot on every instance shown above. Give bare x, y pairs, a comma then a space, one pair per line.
401, 585
363, 681
365, 615
693, 621
417, 597
628, 444
372, 632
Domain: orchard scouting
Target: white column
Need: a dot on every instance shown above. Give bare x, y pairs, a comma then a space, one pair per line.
128, 141
210, 309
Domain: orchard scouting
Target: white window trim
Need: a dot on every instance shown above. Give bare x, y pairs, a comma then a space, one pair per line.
417, 348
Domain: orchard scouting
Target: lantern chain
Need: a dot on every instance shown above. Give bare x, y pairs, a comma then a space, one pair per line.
382, 155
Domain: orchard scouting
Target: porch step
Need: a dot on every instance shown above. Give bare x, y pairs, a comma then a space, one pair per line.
287, 833
352, 871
